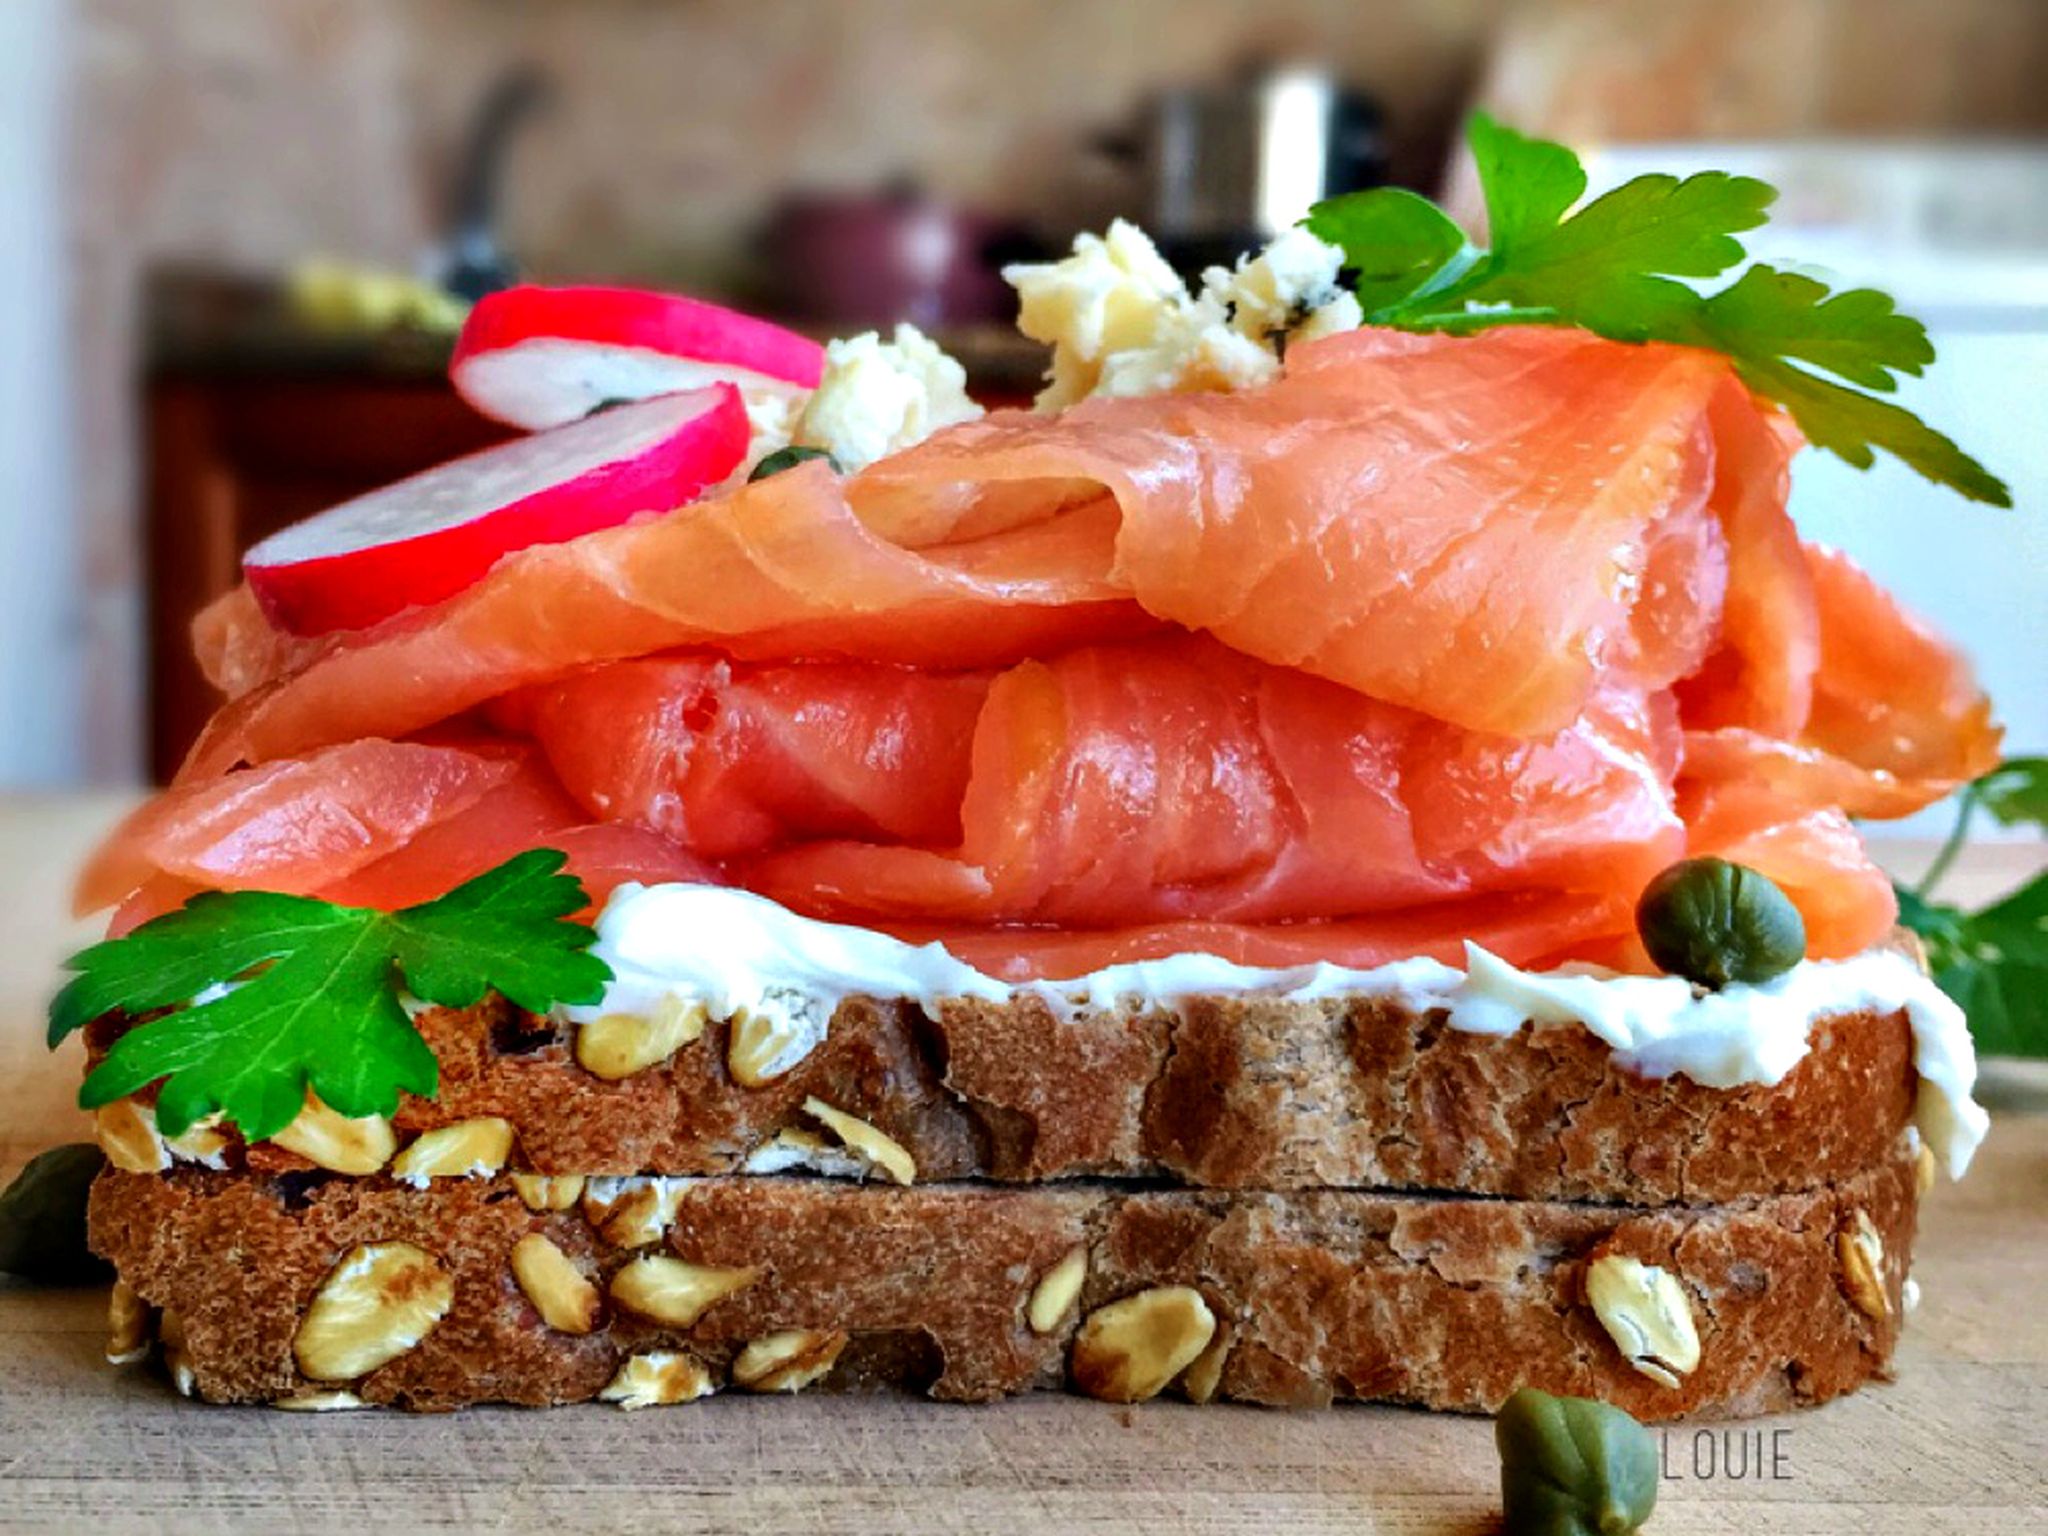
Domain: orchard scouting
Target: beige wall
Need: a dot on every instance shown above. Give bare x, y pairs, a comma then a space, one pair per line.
251, 132
240, 131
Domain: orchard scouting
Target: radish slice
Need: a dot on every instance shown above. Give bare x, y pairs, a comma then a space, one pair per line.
539, 357
429, 536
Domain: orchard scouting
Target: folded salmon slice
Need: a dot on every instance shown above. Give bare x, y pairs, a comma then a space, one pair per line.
1891, 695
522, 807
1813, 853
779, 568
530, 810
1760, 675
1532, 929
1175, 779
1398, 514
1895, 721
728, 758
1433, 639
291, 826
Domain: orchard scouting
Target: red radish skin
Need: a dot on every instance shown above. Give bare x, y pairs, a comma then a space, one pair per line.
428, 537
540, 357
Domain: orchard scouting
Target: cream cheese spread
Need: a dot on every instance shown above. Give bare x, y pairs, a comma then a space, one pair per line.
733, 950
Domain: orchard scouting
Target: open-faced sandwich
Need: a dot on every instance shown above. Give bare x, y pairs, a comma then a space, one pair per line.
1315, 864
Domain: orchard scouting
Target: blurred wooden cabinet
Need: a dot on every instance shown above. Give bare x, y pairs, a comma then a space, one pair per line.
235, 456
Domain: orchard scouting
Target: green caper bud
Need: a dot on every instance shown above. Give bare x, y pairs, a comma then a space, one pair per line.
42, 1218
1714, 922
788, 458
1571, 1466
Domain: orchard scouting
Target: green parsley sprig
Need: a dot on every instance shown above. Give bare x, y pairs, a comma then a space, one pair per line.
1615, 266
272, 994
1994, 961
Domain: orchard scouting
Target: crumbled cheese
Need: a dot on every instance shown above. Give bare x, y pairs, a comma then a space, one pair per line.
771, 421
1114, 294
878, 396
1343, 313
1270, 291
1198, 350
1120, 321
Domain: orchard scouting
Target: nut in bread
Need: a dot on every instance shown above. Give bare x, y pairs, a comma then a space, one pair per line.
339, 1143
670, 1291
657, 1379
475, 1148
614, 1046
1860, 1252
787, 1361
1057, 1290
376, 1304
1128, 1351
1645, 1311
565, 1300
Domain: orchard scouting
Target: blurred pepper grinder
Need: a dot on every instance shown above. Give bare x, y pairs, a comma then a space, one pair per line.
470, 262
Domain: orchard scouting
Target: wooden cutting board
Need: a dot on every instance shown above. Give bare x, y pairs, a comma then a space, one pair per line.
1959, 1443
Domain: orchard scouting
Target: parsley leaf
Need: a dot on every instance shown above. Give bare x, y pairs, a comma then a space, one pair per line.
1616, 266
2016, 792
1859, 334
1850, 425
270, 994
1528, 184
1610, 266
1393, 239
1993, 962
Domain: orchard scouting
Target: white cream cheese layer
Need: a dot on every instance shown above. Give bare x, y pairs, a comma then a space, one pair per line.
731, 949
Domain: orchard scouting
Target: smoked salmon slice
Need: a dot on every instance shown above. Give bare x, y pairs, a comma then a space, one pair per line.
1892, 696
728, 758
1392, 513
1760, 676
778, 568
1525, 929
1814, 854
1895, 717
1175, 779
528, 810
291, 826
1433, 639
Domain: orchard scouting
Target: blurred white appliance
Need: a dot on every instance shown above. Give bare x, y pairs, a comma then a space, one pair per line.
1957, 233
42, 681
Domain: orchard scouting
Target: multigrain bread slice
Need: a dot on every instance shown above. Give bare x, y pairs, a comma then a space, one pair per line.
1230, 1093
295, 1287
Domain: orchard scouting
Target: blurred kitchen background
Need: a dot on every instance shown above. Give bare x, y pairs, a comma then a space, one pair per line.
226, 223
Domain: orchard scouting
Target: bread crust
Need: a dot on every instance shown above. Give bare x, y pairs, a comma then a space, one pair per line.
1221, 1092
1322, 1295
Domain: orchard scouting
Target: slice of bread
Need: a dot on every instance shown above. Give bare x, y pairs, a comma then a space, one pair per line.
297, 1286
1221, 1092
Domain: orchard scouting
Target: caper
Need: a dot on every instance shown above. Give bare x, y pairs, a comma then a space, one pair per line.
42, 1218
788, 458
1714, 922
1571, 1466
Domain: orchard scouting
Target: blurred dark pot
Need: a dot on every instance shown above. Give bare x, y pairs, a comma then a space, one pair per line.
856, 260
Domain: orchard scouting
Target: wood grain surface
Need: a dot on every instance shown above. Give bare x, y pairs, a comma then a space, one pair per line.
1959, 1443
